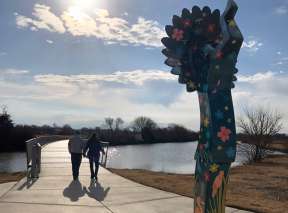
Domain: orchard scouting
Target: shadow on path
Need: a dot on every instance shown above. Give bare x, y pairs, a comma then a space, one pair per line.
28, 183
74, 191
96, 191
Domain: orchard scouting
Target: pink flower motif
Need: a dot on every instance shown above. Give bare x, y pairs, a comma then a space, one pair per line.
201, 146
219, 54
177, 34
224, 134
211, 28
206, 176
187, 22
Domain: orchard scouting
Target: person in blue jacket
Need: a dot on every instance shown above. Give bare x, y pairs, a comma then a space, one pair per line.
94, 148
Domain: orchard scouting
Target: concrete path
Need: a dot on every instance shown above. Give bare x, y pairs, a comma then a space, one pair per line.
55, 192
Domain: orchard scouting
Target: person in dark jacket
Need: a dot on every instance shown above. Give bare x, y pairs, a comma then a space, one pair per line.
94, 148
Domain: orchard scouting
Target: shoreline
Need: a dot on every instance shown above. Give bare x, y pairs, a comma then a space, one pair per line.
258, 187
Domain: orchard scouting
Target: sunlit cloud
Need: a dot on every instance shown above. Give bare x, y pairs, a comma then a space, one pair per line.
44, 19
97, 23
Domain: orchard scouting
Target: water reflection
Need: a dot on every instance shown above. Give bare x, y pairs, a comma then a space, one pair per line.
12, 162
170, 157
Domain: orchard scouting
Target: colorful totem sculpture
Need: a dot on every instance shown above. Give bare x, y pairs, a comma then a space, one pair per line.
202, 48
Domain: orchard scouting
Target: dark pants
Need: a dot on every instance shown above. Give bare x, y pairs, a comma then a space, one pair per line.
76, 159
94, 161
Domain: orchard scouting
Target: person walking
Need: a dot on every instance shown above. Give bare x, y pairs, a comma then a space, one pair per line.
94, 148
75, 147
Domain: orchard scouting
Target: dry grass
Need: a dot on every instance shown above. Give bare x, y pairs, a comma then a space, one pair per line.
260, 187
10, 177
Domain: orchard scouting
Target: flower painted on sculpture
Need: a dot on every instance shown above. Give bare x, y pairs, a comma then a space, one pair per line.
214, 168
219, 54
217, 183
211, 28
224, 134
177, 34
206, 122
206, 176
201, 146
199, 205
187, 22
232, 23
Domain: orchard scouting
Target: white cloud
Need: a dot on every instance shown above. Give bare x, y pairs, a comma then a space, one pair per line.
281, 10
86, 100
136, 77
252, 45
13, 72
256, 77
44, 19
49, 41
99, 24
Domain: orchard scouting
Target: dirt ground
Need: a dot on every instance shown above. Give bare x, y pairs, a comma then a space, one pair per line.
260, 187
9, 177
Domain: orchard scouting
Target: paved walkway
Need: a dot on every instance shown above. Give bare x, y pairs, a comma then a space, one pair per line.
55, 192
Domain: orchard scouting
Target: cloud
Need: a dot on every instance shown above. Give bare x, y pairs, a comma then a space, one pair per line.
252, 45
136, 77
13, 72
281, 10
256, 77
49, 41
99, 24
87, 99
44, 19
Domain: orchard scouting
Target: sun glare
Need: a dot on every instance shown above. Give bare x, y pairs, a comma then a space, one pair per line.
84, 4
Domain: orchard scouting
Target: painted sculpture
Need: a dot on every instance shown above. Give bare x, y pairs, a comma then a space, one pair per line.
202, 48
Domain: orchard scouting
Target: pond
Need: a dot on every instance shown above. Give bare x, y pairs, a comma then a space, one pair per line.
169, 157
12, 162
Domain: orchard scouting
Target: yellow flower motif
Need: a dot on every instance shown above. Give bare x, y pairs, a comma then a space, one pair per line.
232, 23
214, 168
206, 122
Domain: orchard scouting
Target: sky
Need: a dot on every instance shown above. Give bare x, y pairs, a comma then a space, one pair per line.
78, 61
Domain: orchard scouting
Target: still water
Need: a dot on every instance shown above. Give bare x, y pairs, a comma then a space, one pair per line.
169, 157
12, 162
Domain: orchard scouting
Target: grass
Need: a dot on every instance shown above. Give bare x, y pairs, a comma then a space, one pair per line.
10, 177
259, 187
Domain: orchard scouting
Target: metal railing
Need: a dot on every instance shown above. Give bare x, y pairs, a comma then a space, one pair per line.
33, 153
103, 158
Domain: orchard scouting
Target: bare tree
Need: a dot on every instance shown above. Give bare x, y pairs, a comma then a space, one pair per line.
143, 122
259, 125
118, 123
109, 123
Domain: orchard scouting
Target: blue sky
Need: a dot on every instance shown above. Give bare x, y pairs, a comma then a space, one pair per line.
78, 61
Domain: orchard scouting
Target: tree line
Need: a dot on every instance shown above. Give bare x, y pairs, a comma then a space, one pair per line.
258, 128
142, 130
